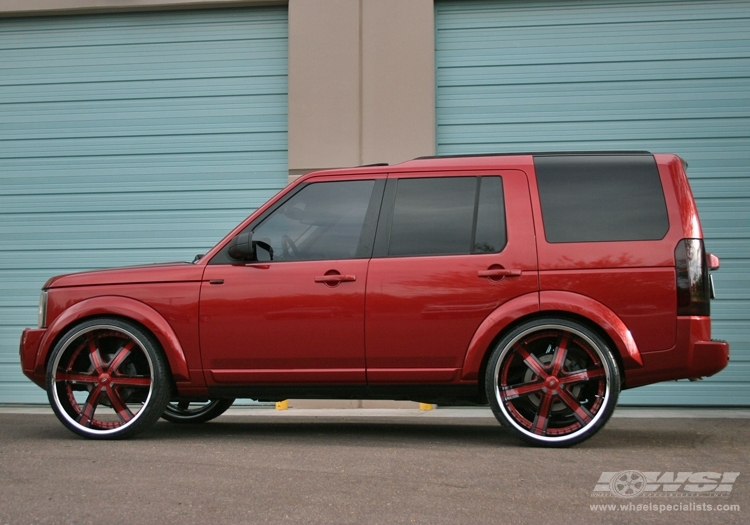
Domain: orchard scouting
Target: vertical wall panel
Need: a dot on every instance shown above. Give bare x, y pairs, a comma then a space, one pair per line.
130, 138
664, 76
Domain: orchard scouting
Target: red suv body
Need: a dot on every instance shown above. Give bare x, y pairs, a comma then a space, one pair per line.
541, 284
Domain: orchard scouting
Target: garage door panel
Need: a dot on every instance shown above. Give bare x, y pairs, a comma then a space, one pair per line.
166, 27
687, 148
593, 131
698, 393
138, 116
159, 173
718, 188
129, 139
605, 71
477, 14
137, 202
166, 144
664, 76
226, 86
70, 231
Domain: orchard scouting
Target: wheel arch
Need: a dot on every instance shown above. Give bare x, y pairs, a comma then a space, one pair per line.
124, 308
575, 307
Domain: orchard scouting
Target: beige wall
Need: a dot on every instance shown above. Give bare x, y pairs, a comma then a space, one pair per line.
361, 74
398, 80
361, 82
324, 84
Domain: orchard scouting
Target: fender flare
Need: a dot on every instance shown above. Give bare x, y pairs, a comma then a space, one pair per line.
122, 307
549, 301
598, 313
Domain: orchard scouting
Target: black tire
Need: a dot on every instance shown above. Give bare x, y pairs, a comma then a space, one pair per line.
196, 411
552, 382
107, 379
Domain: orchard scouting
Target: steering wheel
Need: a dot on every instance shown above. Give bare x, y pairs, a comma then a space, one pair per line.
287, 245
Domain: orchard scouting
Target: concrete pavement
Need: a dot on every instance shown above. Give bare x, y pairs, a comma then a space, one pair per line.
368, 466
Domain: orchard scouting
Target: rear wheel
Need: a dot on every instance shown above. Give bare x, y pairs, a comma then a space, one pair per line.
196, 411
107, 378
552, 382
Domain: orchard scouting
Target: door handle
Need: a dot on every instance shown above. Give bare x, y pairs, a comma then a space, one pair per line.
499, 272
335, 279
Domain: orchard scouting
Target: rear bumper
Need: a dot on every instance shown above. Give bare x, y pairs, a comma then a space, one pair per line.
694, 355
31, 338
708, 358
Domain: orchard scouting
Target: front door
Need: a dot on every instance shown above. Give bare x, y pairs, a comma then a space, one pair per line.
296, 313
456, 247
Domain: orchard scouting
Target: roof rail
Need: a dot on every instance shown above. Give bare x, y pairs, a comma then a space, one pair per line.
537, 154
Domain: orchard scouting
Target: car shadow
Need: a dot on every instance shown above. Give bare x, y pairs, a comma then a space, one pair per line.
339, 429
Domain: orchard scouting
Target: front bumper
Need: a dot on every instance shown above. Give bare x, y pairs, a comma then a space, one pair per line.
31, 338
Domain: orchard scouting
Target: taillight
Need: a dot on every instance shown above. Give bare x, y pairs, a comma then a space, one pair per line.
693, 283
42, 317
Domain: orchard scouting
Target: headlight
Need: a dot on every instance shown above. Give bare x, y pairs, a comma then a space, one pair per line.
42, 321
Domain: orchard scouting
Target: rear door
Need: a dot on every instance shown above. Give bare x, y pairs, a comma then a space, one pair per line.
450, 248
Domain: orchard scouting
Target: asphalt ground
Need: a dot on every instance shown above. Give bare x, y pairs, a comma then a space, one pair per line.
447, 466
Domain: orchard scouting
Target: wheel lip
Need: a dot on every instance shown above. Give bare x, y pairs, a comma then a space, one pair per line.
64, 413
552, 439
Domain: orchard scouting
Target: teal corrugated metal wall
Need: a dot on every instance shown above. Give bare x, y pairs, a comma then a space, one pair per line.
130, 138
665, 76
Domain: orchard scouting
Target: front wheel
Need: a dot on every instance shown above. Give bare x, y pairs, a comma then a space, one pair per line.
196, 411
552, 382
107, 378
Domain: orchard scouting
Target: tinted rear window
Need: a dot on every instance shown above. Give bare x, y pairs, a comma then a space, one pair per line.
601, 198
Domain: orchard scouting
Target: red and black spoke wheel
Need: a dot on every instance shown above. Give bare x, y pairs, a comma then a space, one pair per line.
552, 382
196, 411
107, 378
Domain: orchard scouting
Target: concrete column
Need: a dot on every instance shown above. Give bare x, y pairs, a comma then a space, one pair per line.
324, 84
361, 82
398, 80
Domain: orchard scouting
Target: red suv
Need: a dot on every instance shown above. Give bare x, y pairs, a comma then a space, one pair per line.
542, 284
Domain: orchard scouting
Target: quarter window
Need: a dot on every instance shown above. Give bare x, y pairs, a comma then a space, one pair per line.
601, 198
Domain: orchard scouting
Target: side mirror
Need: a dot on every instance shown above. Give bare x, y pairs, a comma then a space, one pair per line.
263, 251
241, 247
244, 248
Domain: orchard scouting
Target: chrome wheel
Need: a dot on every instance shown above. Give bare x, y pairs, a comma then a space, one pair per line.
552, 382
106, 378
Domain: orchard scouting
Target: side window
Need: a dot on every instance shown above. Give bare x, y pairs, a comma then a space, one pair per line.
324, 220
601, 198
447, 215
490, 232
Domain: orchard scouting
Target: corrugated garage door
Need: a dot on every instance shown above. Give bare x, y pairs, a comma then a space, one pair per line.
662, 76
130, 138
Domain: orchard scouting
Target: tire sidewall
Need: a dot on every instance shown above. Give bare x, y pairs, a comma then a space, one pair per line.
503, 348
